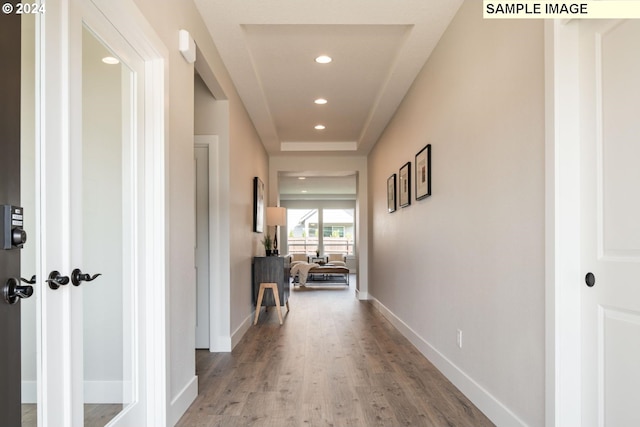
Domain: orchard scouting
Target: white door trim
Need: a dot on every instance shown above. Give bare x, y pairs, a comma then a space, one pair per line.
134, 27
563, 277
219, 238
56, 122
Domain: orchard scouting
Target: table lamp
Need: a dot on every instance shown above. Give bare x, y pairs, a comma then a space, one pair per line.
276, 216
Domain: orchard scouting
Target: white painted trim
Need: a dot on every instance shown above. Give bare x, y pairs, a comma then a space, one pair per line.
153, 357
487, 403
222, 344
220, 281
562, 226
319, 146
182, 401
29, 392
53, 76
57, 73
362, 296
158, 270
237, 335
94, 392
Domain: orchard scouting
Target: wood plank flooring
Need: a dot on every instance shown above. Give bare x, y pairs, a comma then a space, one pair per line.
335, 362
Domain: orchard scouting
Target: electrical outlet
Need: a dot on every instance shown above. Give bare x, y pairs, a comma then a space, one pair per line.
459, 338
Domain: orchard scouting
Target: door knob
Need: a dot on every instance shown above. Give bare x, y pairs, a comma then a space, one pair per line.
55, 280
12, 291
77, 276
590, 279
31, 281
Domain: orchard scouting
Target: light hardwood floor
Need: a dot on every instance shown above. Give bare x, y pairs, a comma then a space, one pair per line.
335, 362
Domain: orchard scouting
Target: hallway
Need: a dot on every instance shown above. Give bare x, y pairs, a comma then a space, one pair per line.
335, 362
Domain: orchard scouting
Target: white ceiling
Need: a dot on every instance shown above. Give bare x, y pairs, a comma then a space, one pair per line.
317, 185
377, 46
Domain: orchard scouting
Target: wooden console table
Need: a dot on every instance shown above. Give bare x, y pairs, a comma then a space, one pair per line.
270, 269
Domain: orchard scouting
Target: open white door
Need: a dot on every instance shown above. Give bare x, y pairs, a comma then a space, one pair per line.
101, 220
610, 149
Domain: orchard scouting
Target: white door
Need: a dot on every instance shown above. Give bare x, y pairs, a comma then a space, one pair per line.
610, 150
202, 246
96, 220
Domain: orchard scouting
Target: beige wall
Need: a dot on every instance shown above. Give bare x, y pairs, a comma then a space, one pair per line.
249, 159
471, 256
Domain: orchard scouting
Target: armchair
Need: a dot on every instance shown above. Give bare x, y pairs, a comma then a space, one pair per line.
337, 259
297, 258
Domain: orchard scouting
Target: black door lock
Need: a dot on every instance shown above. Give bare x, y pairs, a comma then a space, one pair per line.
77, 277
12, 291
12, 235
56, 279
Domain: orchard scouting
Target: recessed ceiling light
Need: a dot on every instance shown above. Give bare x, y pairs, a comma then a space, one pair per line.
304, 191
320, 101
320, 127
302, 177
323, 59
110, 60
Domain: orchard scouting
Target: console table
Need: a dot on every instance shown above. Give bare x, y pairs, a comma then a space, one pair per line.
270, 269
319, 259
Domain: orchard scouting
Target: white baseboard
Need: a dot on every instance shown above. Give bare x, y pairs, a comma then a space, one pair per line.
241, 330
362, 296
94, 392
220, 344
29, 392
497, 412
182, 401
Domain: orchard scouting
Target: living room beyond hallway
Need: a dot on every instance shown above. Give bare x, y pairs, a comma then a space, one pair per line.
335, 361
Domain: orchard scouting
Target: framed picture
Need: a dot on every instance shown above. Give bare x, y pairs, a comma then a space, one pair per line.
423, 173
258, 205
391, 193
405, 185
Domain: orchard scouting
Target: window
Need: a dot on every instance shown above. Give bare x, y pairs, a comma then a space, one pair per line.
338, 231
302, 231
324, 230
332, 231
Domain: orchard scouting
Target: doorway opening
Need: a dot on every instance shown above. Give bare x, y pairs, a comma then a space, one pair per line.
211, 141
321, 215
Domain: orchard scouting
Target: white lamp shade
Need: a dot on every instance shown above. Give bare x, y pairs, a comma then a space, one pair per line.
276, 216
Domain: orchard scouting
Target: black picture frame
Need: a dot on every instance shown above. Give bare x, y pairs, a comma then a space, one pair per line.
423, 173
404, 185
258, 205
391, 193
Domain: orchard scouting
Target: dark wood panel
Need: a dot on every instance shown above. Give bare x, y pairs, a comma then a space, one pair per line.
10, 409
271, 269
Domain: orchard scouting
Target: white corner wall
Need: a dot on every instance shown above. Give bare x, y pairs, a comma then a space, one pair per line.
245, 151
471, 256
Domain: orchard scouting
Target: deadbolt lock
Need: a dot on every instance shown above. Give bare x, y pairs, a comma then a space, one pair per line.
12, 234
